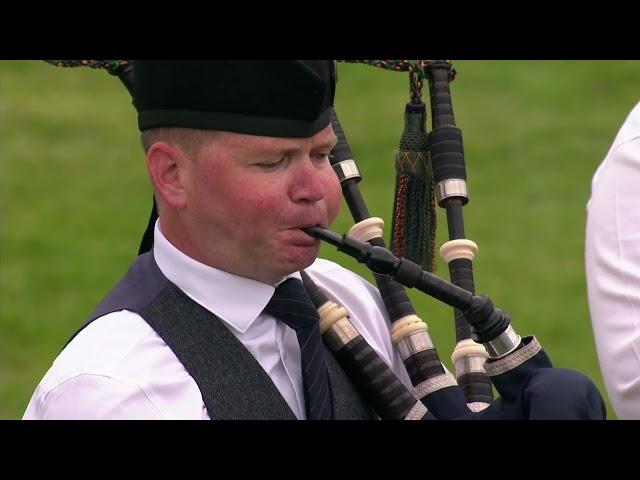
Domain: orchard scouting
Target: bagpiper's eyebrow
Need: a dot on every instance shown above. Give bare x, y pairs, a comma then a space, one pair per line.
330, 142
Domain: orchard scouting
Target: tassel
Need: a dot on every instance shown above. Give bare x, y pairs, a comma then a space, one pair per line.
414, 217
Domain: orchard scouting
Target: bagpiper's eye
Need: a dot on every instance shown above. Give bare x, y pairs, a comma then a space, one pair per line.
323, 157
268, 166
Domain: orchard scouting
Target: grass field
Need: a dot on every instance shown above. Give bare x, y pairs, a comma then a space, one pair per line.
75, 196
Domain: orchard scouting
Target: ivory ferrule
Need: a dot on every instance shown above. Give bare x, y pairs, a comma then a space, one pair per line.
460, 248
367, 229
330, 313
339, 334
406, 326
469, 356
411, 335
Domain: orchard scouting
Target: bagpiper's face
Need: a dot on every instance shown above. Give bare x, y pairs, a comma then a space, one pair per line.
248, 197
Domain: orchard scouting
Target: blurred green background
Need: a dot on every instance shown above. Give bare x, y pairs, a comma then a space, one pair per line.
74, 195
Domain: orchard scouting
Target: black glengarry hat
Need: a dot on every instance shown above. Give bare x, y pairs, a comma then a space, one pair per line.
276, 98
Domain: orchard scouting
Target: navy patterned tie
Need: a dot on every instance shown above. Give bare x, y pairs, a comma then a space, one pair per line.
291, 304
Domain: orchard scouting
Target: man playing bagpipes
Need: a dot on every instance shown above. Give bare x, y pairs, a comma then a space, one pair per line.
230, 315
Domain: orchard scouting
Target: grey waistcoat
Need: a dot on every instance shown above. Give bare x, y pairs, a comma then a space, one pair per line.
232, 383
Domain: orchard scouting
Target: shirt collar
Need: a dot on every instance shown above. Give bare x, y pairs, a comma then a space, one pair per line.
237, 300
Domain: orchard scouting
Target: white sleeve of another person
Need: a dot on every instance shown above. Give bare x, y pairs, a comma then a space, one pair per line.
612, 256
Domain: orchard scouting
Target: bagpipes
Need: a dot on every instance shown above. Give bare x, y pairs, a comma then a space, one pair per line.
488, 353
429, 166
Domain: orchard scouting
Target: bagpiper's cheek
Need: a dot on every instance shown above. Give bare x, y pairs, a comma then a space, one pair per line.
334, 200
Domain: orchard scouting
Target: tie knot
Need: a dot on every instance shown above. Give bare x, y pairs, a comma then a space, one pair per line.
292, 305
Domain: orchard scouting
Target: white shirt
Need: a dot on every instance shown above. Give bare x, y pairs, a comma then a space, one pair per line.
613, 267
119, 368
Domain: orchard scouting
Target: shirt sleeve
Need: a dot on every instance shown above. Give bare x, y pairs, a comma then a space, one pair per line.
612, 259
116, 368
93, 397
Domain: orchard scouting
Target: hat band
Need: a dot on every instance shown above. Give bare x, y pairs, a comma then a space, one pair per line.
231, 122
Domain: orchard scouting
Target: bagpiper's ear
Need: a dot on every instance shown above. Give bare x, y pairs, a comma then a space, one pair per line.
164, 162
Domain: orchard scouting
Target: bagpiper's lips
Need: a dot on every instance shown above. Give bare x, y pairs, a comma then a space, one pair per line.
300, 237
314, 230
310, 230
327, 235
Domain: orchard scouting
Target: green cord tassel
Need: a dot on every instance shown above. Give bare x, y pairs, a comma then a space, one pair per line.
414, 214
